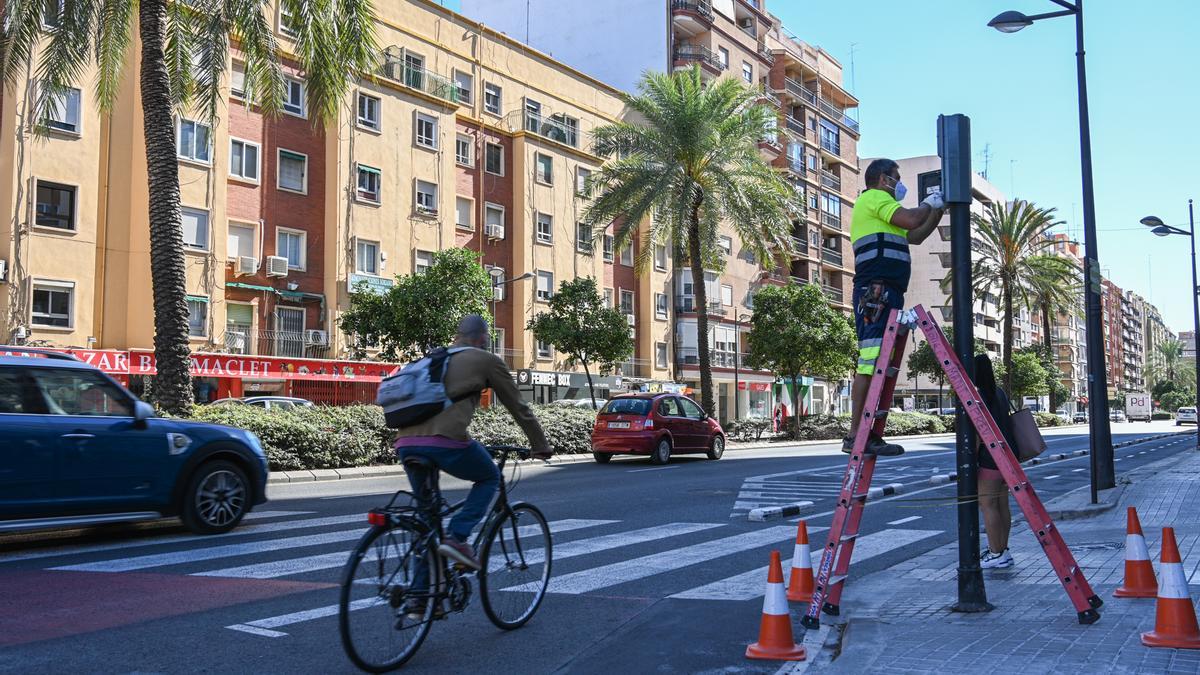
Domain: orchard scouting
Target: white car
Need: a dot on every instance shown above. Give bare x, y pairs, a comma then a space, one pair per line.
1116, 415
581, 402
1186, 414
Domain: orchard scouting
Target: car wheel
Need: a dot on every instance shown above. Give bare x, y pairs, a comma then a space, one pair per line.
601, 457
662, 452
717, 448
216, 499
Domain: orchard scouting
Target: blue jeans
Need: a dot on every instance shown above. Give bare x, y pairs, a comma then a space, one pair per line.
471, 463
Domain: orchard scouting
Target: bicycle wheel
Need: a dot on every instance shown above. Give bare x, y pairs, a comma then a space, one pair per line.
516, 561
377, 589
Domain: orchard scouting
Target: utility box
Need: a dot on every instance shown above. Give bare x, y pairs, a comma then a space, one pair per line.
954, 147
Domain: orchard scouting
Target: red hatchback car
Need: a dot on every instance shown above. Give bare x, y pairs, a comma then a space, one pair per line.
658, 425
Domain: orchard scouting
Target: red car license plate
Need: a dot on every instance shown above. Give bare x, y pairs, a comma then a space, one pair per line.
618, 425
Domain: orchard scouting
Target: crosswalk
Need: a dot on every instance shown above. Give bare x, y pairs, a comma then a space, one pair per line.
678, 560
811, 485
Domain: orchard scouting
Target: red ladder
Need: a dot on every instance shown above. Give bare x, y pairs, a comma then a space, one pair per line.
844, 529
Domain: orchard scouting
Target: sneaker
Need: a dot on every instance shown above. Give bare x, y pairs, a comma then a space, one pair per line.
875, 446
459, 552
994, 561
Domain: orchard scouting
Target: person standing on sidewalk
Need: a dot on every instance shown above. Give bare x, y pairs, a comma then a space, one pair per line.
881, 231
992, 490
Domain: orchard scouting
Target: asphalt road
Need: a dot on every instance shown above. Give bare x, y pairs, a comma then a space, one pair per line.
656, 568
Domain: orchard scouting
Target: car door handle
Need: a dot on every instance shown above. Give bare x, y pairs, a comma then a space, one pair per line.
78, 437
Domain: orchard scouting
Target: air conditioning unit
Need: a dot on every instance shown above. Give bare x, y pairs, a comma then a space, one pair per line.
3, 271
493, 231
277, 266
746, 23
316, 338
629, 318
498, 293
246, 266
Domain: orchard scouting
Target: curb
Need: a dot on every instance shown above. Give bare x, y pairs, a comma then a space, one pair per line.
790, 444
785, 511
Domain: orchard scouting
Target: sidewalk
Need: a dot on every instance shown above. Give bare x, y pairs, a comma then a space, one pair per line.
898, 620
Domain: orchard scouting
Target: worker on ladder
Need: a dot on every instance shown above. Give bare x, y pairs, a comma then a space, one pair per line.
881, 231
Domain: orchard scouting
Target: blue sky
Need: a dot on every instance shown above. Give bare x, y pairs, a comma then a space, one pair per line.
914, 60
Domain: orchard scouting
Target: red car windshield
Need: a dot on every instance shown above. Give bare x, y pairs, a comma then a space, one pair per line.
627, 406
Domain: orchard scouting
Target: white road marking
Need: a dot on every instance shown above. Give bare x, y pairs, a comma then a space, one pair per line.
589, 580
1077, 470
256, 627
750, 585
259, 515
1050, 476
256, 631
656, 468
904, 520
230, 550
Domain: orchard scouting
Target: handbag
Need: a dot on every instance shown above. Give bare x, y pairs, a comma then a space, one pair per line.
1029, 439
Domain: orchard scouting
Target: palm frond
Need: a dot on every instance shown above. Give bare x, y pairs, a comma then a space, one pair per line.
114, 27
66, 56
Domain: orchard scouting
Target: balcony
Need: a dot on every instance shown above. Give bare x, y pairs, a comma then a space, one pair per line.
831, 220
419, 79
795, 125
800, 91
800, 245
702, 8
831, 146
837, 114
831, 180
765, 52
687, 304
717, 358
703, 55
634, 368
272, 343
835, 293
795, 158
830, 255
554, 127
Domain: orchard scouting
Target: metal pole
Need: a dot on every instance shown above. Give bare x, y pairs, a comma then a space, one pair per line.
1103, 475
737, 345
1195, 305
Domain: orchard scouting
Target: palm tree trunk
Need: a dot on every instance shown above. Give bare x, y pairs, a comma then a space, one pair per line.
1053, 374
173, 385
700, 297
1006, 293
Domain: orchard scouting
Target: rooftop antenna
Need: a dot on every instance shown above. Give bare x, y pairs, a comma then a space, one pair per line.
987, 159
1012, 182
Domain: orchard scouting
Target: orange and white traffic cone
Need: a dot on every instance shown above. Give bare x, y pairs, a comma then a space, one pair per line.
1139, 572
800, 583
1174, 616
775, 641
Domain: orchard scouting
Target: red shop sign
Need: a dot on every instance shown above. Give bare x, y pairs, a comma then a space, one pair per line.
268, 367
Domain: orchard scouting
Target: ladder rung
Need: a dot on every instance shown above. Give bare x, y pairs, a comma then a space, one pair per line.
892, 372
835, 580
848, 537
860, 496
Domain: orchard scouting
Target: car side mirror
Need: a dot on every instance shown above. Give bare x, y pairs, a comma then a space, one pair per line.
142, 411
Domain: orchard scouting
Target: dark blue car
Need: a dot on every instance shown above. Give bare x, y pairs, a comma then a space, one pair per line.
77, 448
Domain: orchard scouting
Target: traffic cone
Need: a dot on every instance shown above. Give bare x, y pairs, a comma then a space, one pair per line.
800, 584
775, 641
1139, 572
1174, 616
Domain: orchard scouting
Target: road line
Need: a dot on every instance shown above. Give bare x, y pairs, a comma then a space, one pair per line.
1050, 476
259, 515
749, 585
1077, 470
596, 578
298, 617
255, 547
256, 631
904, 520
656, 468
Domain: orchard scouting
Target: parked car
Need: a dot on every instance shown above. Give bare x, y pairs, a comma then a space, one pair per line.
1116, 415
1080, 418
1185, 414
581, 402
658, 425
278, 402
78, 449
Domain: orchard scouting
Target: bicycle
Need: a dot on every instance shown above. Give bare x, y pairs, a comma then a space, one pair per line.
383, 578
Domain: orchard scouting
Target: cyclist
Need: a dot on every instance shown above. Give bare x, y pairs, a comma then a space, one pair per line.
443, 439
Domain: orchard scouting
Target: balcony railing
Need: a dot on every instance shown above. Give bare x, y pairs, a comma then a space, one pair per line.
701, 7
553, 129
634, 368
831, 180
273, 343
800, 244
717, 358
420, 79
831, 146
795, 124
765, 52
700, 54
831, 220
835, 293
831, 256
800, 91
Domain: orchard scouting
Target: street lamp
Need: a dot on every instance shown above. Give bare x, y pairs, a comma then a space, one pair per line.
498, 280
1161, 229
1102, 472
737, 347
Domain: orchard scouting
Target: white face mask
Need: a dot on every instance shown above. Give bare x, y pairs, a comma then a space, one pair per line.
901, 190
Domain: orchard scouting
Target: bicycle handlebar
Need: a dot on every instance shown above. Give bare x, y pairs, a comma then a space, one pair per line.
498, 451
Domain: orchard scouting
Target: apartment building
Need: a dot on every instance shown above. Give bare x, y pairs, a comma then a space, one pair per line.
463, 137
1133, 309
815, 145
1114, 344
1156, 333
1068, 336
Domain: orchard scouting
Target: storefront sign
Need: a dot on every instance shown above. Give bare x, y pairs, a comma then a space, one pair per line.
377, 285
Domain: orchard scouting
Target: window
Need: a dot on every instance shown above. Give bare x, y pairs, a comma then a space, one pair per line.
241, 241
747, 72
812, 201
80, 393
287, 22
466, 86
293, 96
366, 257
237, 81
55, 205
243, 159
583, 238
368, 112
830, 136
197, 316
660, 257
51, 14
293, 171
497, 340
464, 213
239, 321
831, 204
52, 303
545, 286
195, 229
422, 261
626, 301
660, 355
369, 180
426, 130
608, 248
690, 409
544, 168
427, 198
62, 111
533, 116
493, 219
581, 180
566, 130
660, 305
492, 98
493, 159
726, 244
727, 295
464, 150
290, 244
544, 350
194, 141
545, 228
627, 255
608, 297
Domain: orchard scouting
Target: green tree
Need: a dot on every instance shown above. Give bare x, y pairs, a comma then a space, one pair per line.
421, 311
687, 166
922, 361
1057, 391
795, 332
1171, 396
1005, 243
580, 325
183, 52
1027, 376
1168, 365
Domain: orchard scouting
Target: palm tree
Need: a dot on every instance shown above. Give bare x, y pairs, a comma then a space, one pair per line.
1053, 289
1167, 364
1007, 241
184, 51
691, 163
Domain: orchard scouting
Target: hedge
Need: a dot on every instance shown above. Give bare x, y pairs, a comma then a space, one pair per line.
568, 429
829, 427
1161, 415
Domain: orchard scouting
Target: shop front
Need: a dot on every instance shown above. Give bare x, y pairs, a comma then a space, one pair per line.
539, 386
